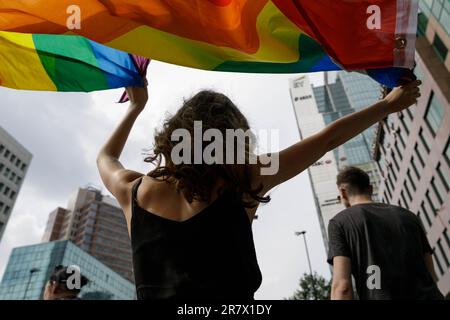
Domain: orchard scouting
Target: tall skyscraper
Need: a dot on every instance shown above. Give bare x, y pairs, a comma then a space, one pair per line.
316, 107
96, 224
30, 267
413, 147
14, 163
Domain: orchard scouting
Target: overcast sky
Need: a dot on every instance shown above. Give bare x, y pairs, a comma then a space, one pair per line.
64, 131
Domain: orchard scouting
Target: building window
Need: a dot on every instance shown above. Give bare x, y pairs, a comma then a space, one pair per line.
6, 211
447, 152
402, 194
1, 167
411, 111
388, 189
440, 48
398, 152
2, 205
438, 263
442, 252
447, 237
434, 115
419, 155
416, 172
445, 179
406, 123
424, 141
2, 147
425, 214
390, 179
430, 203
408, 193
445, 17
422, 24
12, 195
436, 7
23, 167
420, 216
400, 138
6, 191
438, 195
7, 153
390, 124
403, 138
411, 181
7, 172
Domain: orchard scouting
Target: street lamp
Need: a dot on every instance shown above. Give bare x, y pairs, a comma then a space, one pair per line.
32, 271
303, 233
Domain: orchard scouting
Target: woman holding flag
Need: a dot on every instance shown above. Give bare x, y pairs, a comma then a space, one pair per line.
190, 223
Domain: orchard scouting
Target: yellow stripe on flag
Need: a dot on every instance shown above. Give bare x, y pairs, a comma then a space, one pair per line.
164, 46
20, 66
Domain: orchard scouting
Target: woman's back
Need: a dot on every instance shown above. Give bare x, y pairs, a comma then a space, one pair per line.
211, 255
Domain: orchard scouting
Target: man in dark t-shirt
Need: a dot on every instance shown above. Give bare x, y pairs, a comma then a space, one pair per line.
383, 246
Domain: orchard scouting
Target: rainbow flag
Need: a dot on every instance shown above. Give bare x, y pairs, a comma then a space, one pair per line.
63, 63
265, 36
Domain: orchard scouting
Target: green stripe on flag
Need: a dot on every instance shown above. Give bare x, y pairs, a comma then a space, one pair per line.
70, 63
311, 53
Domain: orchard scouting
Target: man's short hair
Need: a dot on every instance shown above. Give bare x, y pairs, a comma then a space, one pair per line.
356, 181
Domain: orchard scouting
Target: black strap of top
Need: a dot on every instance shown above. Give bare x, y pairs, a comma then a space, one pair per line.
135, 189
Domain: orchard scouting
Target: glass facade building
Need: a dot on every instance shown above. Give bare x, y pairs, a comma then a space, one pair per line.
439, 9
351, 92
30, 267
316, 107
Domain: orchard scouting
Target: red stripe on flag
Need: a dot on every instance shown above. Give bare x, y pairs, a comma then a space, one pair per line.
342, 29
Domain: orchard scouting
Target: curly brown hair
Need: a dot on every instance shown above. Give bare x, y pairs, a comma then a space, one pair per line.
196, 181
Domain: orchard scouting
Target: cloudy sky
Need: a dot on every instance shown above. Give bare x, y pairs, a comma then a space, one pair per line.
64, 131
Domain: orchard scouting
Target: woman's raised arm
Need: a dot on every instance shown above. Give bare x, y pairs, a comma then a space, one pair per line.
303, 154
115, 177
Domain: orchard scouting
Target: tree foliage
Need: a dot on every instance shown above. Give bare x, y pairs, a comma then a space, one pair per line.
312, 287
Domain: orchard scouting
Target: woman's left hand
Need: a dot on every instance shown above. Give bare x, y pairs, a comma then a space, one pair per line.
138, 97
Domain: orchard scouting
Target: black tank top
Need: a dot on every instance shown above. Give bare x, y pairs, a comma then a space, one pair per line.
209, 256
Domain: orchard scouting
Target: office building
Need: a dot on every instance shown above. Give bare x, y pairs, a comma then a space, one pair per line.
96, 224
14, 163
316, 107
413, 147
30, 267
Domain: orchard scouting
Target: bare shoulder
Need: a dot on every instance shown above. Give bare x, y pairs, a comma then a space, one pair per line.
147, 190
122, 183
151, 189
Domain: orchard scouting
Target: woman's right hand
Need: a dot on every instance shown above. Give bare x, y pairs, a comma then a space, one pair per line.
403, 97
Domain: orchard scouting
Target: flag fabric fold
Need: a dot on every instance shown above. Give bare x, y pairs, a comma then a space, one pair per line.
258, 36
141, 64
